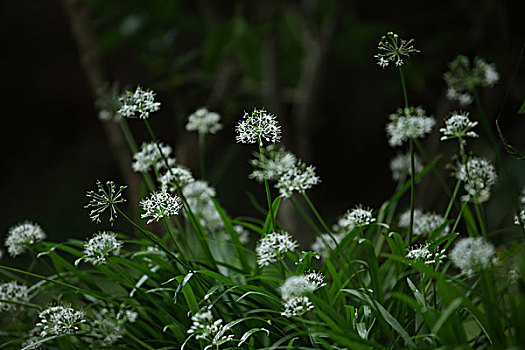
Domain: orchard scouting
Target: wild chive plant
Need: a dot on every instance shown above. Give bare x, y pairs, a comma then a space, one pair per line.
187, 276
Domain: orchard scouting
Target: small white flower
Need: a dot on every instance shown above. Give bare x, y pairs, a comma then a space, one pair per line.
272, 163
180, 174
159, 205
520, 218
382, 62
198, 195
393, 48
324, 244
296, 286
21, 236
422, 253
297, 179
464, 98
138, 104
522, 197
206, 328
108, 325
270, 248
424, 223
149, 156
297, 306
102, 199
101, 246
358, 217
408, 123
204, 122
472, 254
57, 320
13, 291
458, 125
258, 126
479, 176
244, 235
401, 167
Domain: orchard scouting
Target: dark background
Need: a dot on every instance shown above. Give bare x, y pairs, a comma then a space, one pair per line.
309, 62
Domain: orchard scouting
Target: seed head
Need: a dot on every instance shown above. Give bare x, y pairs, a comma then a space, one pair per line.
204, 122
21, 236
138, 104
103, 199
258, 126
393, 49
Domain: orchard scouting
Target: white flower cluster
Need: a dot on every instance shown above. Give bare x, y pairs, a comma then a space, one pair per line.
179, 174
102, 199
293, 293
272, 163
159, 205
463, 78
472, 254
519, 219
198, 194
297, 179
270, 248
21, 236
204, 122
206, 328
357, 217
139, 103
258, 126
100, 247
458, 125
324, 244
424, 223
408, 123
13, 291
479, 176
422, 253
394, 49
108, 325
401, 167
149, 156
57, 320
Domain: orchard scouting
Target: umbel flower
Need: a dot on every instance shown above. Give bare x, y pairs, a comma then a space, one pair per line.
13, 291
472, 254
324, 244
297, 179
258, 126
293, 293
206, 328
401, 167
271, 163
103, 199
463, 78
21, 236
407, 123
138, 104
394, 50
58, 320
100, 247
204, 122
479, 176
159, 205
424, 223
519, 219
179, 174
108, 325
149, 156
271, 247
297, 306
357, 217
458, 125
423, 253
199, 196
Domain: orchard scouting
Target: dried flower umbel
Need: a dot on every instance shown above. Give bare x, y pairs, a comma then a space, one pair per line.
13, 291
394, 50
258, 126
138, 104
407, 123
472, 254
101, 246
204, 122
103, 199
23, 235
271, 247
159, 205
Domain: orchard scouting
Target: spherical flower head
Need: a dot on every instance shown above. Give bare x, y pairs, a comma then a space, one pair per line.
358, 217
104, 199
458, 125
258, 126
206, 328
149, 156
407, 123
479, 176
13, 291
159, 205
23, 235
58, 320
422, 253
296, 286
177, 174
297, 179
138, 104
324, 244
271, 247
520, 219
393, 49
108, 325
199, 197
424, 223
101, 246
204, 122
472, 254
401, 167
297, 307
271, 163
464, 98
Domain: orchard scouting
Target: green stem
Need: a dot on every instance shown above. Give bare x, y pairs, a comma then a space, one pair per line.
319, 218
267, 189
479, 214
403, 85
202, 156
412, 191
